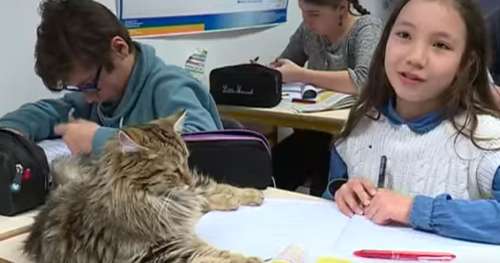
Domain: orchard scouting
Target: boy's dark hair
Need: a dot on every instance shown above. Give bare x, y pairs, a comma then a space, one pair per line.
470, 92
74, 31
335, 3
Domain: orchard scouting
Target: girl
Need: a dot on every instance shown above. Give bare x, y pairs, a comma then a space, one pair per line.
337, 46
425, 128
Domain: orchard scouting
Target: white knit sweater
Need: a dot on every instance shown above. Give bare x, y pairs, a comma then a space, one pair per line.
429, 164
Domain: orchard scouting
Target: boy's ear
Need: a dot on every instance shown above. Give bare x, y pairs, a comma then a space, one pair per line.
127, 144
119, 47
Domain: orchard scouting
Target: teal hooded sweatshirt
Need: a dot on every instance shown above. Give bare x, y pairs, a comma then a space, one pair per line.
154, 90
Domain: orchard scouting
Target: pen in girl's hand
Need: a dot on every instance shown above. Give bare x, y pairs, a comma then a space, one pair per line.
381, 171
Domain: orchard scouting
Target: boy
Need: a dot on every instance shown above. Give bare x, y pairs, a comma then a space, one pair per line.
82, 47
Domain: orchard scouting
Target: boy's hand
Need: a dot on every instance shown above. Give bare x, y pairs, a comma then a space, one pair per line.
78, 135
354, 195
290, 71
387, 207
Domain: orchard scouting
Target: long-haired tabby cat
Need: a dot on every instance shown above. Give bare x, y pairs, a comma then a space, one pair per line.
138, 202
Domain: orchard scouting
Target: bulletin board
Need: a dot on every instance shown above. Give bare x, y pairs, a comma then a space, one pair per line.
150, 18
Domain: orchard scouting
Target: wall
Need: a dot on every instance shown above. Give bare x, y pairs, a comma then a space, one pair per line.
18, 21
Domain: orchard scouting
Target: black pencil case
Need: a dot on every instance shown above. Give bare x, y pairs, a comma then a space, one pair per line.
251, 85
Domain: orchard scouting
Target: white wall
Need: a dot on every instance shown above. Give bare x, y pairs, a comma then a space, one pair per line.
18, 21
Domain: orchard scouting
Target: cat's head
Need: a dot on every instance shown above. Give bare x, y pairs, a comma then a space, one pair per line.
151, 155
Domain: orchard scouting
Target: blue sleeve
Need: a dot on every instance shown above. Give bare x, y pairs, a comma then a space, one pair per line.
338, 172
101, 136
37, 120
474, 220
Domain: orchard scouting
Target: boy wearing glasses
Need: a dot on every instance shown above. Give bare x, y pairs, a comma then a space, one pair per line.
112, 81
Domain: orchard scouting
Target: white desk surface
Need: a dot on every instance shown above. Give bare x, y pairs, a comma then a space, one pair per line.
15, 225
10, 249
16, 228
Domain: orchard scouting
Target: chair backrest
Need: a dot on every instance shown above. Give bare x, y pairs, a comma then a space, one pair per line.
493, 23
238, 157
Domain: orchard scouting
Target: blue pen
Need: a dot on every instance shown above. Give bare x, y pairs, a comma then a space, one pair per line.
381, 171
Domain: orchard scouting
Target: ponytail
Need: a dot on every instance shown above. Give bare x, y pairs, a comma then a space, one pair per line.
353, 4
358, 7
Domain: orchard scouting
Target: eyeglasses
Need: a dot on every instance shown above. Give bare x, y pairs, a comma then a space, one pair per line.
85, 87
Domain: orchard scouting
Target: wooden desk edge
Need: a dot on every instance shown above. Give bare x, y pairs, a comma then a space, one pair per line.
283, 119
15, 232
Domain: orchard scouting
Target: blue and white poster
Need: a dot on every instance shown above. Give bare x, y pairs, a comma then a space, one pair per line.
147, 18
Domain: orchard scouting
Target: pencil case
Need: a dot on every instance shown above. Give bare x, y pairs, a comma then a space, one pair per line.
237, 157
24, 174
252, 85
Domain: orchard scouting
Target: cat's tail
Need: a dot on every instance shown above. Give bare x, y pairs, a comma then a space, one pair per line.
190, 250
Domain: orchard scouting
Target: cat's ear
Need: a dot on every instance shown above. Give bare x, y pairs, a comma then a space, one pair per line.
175, 121
179, 119
127, 144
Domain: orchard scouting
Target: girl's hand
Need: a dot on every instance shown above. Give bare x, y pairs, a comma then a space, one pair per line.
354, 195
388, 207
290, 71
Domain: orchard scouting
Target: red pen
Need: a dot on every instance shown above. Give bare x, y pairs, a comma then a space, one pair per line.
304, 101
405, 255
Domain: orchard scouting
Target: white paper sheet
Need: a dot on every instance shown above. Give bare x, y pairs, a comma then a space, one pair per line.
363, 234
321, 230
266, 230
54, 149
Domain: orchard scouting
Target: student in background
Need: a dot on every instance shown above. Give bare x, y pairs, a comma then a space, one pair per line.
421, 146
112, 81
337, 45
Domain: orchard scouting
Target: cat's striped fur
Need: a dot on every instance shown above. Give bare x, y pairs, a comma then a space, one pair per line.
139, 202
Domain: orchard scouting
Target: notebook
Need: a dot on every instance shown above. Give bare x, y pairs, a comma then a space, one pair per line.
321, 231
299, 90
319, 99
327, 100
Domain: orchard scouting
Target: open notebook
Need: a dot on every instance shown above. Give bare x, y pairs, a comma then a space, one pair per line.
54, 149
322, 231
322, 100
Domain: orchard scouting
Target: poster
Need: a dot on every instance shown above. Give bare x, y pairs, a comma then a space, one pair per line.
147, 18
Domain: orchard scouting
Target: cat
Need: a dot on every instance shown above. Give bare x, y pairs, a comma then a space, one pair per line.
137, 202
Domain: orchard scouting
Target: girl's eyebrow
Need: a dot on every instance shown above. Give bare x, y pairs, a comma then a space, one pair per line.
405, 23
441, 34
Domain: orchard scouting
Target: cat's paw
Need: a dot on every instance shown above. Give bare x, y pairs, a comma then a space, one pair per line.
249, 196
223, 202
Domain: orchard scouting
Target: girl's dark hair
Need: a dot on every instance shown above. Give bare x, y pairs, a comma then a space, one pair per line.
74, 31
353, 4
470, 92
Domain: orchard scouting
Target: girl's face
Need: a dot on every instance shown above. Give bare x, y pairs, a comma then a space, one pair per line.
322, 20
423, 54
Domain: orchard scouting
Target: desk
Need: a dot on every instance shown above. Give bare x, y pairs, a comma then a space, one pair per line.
354, 234
12, 226
15, 228
284, 115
